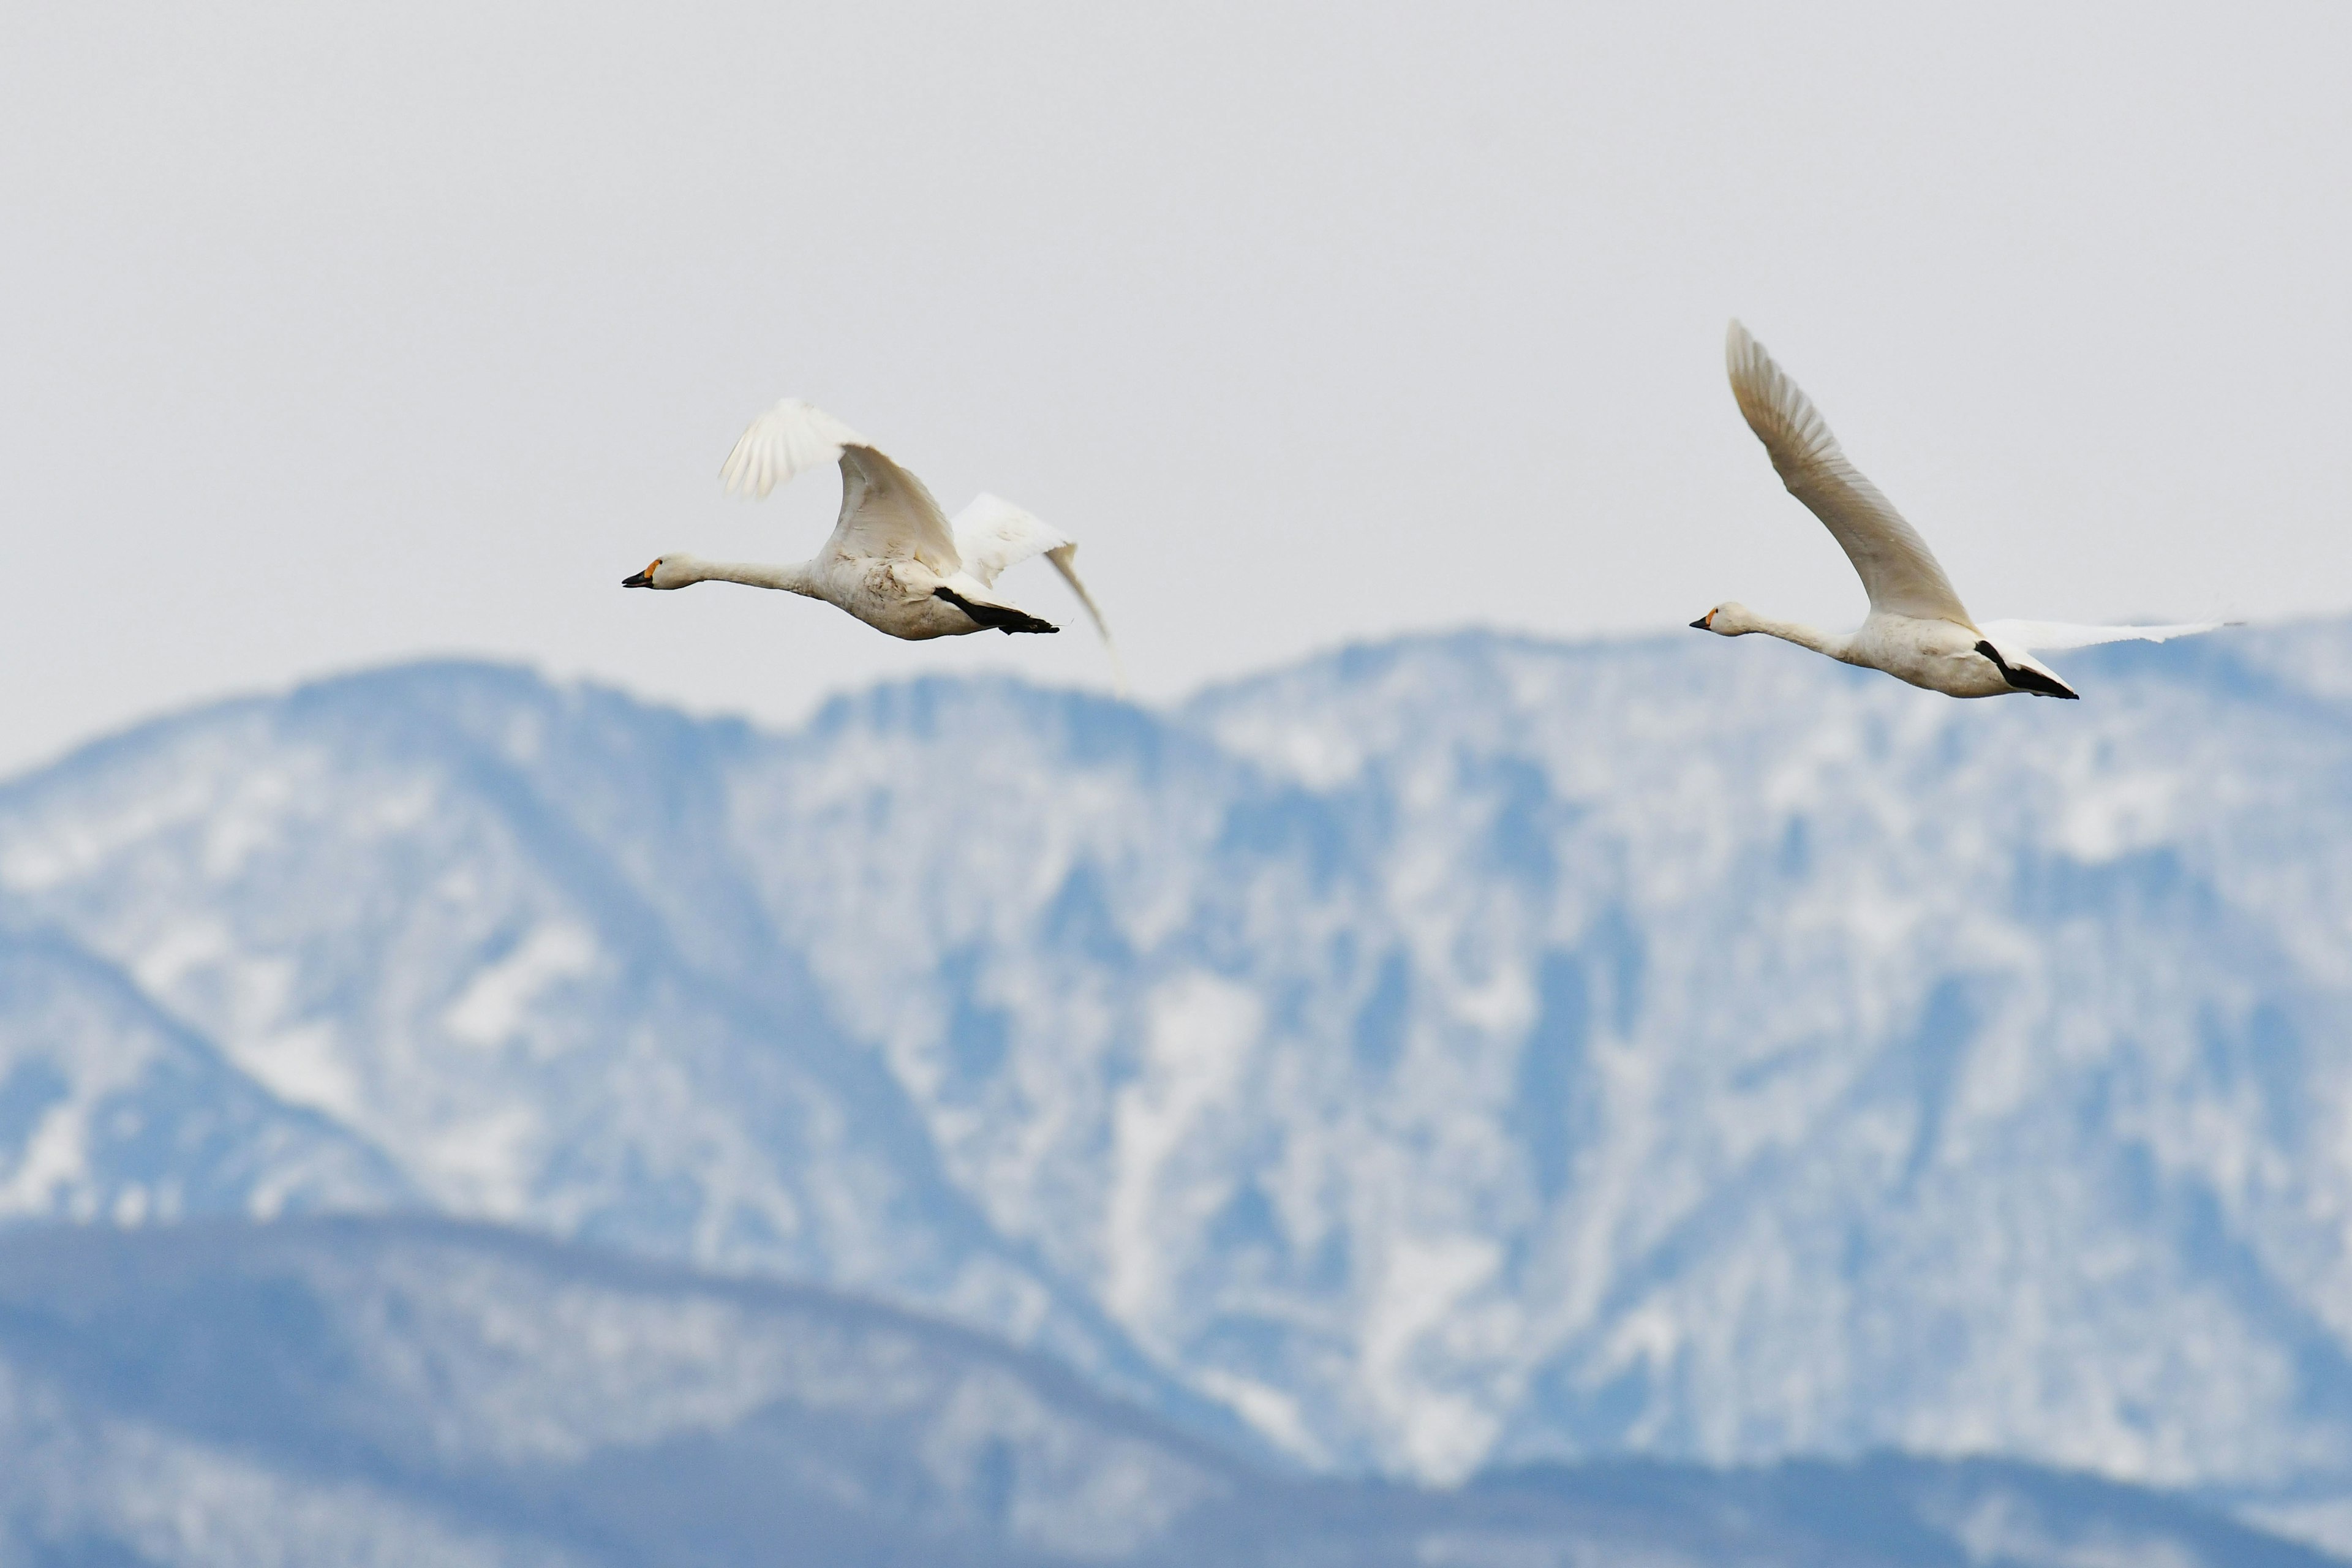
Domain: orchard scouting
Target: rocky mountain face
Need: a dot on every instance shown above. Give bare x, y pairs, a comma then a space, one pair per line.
1456, 1052
370, 1391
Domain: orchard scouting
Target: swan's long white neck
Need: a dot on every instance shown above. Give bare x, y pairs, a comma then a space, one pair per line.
794, 578
1834, 644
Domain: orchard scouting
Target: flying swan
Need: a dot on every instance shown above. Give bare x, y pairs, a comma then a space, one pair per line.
1918, 630
893, 561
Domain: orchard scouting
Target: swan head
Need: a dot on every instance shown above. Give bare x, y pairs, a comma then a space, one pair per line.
666, 571
1729, 619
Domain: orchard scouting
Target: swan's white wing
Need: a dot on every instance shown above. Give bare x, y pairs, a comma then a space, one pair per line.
2059, 634
1064, 559
790, 438
1897, 569
993, 536
885, 511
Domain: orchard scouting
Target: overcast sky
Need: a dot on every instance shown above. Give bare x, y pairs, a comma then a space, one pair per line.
330, 335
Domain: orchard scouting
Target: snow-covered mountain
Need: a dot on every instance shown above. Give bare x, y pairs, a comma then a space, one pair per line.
393, 1393
1457, 1051
110, 1110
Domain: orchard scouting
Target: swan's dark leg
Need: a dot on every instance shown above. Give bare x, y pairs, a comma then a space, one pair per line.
1002, 617
2026, 679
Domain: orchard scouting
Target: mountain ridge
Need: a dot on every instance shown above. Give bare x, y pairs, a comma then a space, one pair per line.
357, 1390
1460, 1050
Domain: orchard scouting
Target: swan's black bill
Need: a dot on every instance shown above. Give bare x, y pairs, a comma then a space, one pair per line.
640, 580
1700, 624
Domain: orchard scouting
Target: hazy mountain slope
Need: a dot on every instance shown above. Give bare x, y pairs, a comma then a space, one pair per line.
1462, 1049
109, 1109
362, 1392
492, 928
1705, 1050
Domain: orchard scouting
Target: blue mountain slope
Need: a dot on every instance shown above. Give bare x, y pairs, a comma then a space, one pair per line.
1459, 1051
1493, 1048
485, 926
370, 1391
110, 1110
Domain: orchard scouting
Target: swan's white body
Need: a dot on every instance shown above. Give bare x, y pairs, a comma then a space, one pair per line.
893, 561
1918, 630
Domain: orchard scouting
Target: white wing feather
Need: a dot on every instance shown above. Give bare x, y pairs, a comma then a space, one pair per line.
790, 438
1064, 559
885, 511
994, 536
2048, 635
1897, 569
888, 513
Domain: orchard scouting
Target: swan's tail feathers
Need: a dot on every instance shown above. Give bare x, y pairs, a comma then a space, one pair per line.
2059, 634
1065, 558
1003, 618
790, 438
2027, 675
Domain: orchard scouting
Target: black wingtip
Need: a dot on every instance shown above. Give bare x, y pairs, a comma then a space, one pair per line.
2025, 680
1003, 618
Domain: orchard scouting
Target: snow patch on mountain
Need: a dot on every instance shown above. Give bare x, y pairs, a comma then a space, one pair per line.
110, 1110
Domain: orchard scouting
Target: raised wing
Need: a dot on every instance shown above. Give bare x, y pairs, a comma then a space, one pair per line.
2046, 635
887, 511
790, 438
993, 535
1897, 569
884, 510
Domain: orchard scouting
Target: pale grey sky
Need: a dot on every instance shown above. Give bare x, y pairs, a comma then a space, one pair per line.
332, 335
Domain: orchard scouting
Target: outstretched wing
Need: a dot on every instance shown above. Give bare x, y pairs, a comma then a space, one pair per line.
790, 438
887, 511
993, 535
1897, 569
884, 510
1064, 559
2046, 635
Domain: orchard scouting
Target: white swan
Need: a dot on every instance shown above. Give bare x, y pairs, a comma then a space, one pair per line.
1916, 630
894, 561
